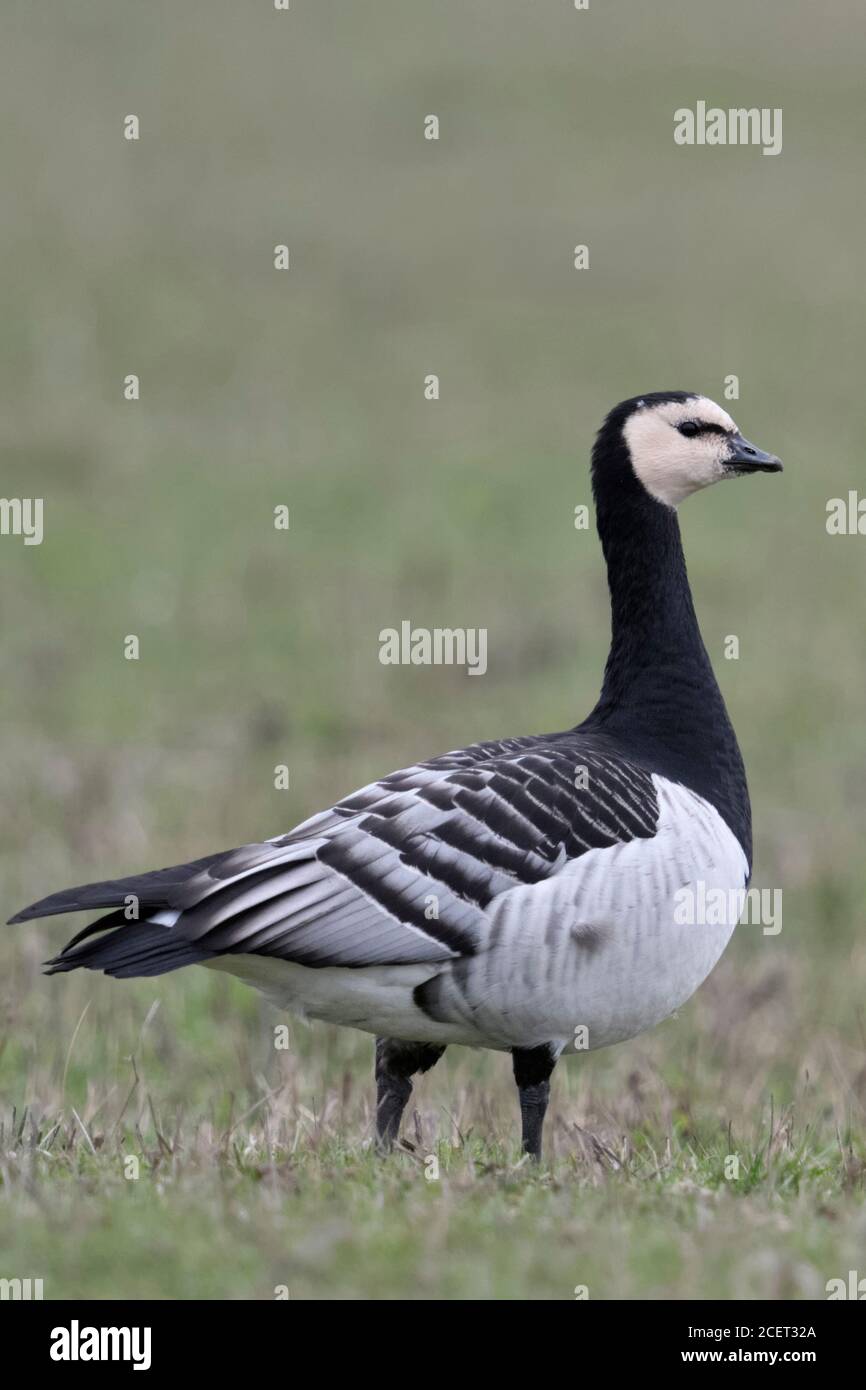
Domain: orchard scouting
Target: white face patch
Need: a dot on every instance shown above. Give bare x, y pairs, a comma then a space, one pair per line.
670, 465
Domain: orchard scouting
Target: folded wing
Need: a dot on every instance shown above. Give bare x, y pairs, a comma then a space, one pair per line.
400, 872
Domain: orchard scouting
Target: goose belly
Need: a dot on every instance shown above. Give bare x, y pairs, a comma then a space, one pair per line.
609, 946
378, 999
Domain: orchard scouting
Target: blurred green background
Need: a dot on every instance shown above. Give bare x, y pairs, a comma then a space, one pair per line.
260, 647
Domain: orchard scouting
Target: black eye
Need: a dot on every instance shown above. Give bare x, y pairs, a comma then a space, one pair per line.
689, 428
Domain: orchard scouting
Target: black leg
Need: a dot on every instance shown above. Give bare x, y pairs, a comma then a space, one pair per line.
532, 1068
396, 1062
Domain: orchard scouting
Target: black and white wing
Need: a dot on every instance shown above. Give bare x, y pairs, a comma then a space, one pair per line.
403, 871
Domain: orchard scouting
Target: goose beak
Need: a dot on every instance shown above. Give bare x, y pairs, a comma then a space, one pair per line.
748, 458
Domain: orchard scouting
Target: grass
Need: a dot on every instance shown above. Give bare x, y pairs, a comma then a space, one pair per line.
213, 1217
288, 1200
254, 1170
260, 647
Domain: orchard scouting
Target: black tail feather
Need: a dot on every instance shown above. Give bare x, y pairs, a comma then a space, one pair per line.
153, 891
114, 919
132, 949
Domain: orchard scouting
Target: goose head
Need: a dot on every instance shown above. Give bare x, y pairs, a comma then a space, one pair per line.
678, 442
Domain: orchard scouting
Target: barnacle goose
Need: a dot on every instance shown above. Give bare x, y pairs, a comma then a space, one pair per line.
516, 894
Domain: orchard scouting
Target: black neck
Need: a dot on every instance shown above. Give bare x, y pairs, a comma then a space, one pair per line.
660, 697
